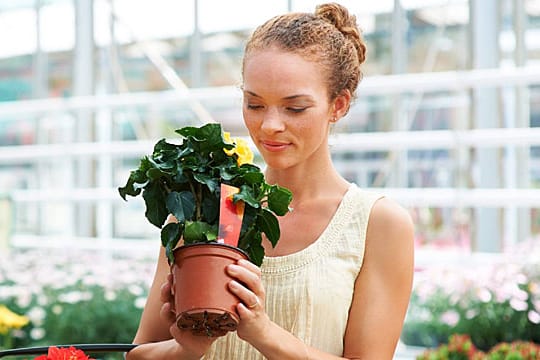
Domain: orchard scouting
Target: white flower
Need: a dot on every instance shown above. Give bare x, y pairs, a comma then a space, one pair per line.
37, 333
136, 290
140, 302
471, 314
518, 305
24, 299
74, 297
110, 295
450, 317
484, 295
533, 317
36, 315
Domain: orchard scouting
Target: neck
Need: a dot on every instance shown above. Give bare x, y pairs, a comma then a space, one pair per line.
308, 181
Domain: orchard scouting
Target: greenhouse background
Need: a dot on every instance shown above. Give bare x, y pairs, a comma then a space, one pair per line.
447, 122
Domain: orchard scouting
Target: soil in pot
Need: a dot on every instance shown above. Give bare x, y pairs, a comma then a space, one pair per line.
203, 301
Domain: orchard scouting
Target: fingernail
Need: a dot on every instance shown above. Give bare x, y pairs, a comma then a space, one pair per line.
231, 269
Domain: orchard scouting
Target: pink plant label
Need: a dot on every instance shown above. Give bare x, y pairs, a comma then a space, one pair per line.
230, 216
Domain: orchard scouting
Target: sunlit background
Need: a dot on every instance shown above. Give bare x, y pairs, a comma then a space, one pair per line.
447, 120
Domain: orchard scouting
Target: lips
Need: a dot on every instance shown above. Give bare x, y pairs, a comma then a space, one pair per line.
274, 145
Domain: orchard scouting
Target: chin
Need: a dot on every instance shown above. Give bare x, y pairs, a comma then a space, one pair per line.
278, 164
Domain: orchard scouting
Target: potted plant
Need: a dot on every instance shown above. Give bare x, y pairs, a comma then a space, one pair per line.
188, 179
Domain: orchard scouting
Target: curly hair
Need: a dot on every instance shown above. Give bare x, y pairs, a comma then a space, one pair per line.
330, 36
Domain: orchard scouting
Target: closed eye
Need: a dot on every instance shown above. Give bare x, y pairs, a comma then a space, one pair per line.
296, 110
254, 107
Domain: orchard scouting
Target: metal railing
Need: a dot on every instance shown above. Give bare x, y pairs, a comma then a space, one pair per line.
106, 149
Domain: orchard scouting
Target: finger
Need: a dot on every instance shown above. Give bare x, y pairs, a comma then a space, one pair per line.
250, 266
165, 291
167, 313
248, 298
246, 276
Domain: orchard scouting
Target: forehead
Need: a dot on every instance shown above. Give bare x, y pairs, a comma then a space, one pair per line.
273, 69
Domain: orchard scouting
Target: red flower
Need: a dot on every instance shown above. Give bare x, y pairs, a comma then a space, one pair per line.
70, 353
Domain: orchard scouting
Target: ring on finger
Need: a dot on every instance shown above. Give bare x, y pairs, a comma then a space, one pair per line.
253, 306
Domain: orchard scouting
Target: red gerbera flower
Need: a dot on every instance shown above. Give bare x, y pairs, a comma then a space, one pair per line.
70, 353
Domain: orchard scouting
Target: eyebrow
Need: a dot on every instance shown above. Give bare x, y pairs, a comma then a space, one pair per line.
291, 97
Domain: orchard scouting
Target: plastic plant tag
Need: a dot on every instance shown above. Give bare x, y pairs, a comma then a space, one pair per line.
230, 216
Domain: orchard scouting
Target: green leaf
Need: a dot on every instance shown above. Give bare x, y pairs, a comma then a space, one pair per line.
156, 174
206, 138
246, 194
256, 254
279, 199
269, 225
137, 180
165, 148
180, 177
252, 178
199, 231
210, 208
181, 205
154, 198
247, 237
248, 222
170, 235
205, 179
129, 189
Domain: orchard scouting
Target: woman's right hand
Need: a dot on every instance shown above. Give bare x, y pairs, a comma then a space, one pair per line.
192, 345
158, 335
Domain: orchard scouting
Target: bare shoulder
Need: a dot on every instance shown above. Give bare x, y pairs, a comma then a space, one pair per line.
390, 228
388, 213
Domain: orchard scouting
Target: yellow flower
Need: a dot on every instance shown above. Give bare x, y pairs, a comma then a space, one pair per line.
9, 320
245, 155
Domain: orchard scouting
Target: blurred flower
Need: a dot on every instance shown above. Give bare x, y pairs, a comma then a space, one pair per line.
24, 299
518, 305
502, 295
450, 317
471, 314
37, 333
136, 290
110, 295
484, 295
75, 297
36, 315
459, 347
10, 320
536, 304
57, 309
70, 353
140, 302
533, 317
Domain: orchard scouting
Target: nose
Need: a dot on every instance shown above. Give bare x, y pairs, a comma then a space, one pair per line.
272, 121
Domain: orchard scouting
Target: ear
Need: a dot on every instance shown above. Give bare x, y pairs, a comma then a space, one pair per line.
341, 104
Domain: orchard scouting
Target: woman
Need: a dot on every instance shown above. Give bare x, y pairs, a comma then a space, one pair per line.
338, 283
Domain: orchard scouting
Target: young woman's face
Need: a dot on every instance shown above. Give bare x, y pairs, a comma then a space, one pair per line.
285, 107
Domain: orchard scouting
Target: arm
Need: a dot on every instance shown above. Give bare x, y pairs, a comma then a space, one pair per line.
153, 332
152, 327
384, 285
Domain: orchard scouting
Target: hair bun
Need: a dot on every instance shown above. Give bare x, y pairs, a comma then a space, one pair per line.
340, 17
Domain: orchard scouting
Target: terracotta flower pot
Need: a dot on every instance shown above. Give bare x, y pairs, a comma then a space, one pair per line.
203, 302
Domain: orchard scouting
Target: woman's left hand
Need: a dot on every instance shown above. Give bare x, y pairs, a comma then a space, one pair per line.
247, 286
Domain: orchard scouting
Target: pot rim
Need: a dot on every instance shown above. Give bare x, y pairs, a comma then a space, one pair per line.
213, 244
